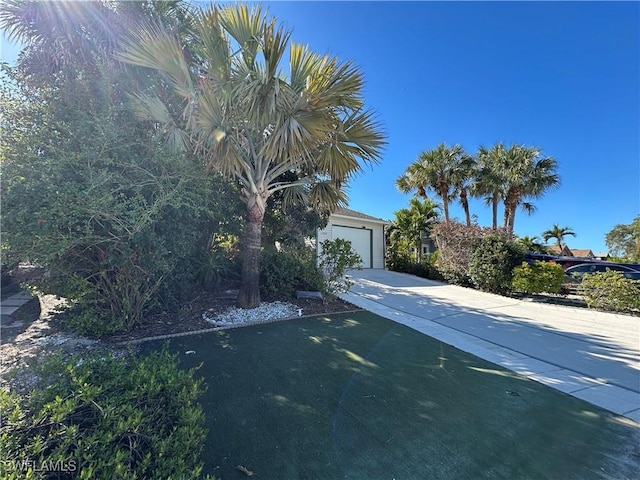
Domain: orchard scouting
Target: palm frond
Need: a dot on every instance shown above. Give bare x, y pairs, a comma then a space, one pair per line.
154, 47
326, 195
246, 27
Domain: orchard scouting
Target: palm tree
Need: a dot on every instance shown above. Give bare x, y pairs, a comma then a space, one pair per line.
526, 176
463, 180
73, 38
489, 179
251, 122
558, 233
532, 244
440, 170
411, 223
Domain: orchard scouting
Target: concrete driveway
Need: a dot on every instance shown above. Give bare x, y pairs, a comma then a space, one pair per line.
591, 355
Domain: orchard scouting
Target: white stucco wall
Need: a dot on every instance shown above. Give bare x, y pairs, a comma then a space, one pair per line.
377, 243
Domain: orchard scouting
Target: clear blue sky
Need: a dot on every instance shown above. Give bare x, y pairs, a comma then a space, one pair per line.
561, 76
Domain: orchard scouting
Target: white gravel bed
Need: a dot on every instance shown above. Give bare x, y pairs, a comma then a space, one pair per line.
262, 313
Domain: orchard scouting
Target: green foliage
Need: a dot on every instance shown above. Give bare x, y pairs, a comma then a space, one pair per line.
117, 220
289, 222
106, 418
492, 263
324, 140
532, 245
336, 257
282, 273
539, 277
611, 291
404, 236
220, 264
424, 269
456, 243
624, 240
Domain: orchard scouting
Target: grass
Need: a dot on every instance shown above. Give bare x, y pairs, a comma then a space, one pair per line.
360, 397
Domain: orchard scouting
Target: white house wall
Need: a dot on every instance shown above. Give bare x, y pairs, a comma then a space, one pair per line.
377, 236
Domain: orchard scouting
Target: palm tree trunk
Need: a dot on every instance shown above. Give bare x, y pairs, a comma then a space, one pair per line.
249, 294
465, 206
512, 219
505, 222
445, 203
494, 209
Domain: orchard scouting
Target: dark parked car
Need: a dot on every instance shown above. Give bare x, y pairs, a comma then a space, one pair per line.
564, 262
574, 274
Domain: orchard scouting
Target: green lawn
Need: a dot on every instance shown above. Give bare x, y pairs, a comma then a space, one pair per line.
360, 397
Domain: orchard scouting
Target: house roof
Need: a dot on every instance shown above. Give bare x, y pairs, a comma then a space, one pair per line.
583, 253
346, 212
565, 251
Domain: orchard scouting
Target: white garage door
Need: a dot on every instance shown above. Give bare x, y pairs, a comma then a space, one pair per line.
360, 239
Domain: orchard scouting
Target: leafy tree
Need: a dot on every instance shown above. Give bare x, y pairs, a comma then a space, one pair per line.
444, 170
86, 190
251, 121
558, 233
526, 176
624, 240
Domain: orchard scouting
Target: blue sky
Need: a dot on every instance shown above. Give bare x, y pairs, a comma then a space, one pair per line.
563, 76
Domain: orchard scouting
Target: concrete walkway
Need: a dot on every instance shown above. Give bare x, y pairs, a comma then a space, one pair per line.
591, 355
10, 305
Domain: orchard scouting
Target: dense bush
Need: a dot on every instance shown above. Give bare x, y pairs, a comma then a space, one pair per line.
456, 243
105, 418
611, 291
116, 219
403, 264
539, 277
493, 261
282, 273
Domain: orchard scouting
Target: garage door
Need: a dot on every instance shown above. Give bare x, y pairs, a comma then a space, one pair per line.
360, 239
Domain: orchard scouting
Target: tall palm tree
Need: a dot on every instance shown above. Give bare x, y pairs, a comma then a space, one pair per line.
439, 169
489, 179
558, 233
526, 176
251, 121
463, 180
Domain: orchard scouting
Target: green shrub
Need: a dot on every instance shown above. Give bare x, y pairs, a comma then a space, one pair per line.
404, 264
456, 243
279, 272
105, 418
336, 257
282, 273
611, 291
492, 263
540, 277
